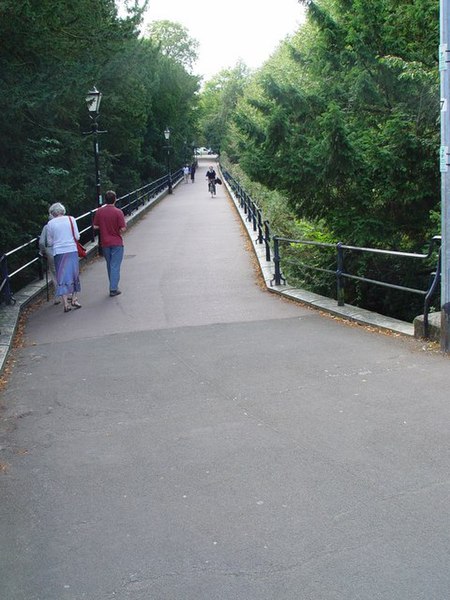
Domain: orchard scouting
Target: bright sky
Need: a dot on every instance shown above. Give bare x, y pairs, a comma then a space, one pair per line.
231, 29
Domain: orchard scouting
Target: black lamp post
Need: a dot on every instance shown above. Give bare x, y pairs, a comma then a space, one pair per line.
169, 174
93, 100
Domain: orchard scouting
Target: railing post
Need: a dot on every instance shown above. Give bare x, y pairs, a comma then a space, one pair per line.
40, 259
92, 226
96, 231
267, 239
431, 291
339, 271
242, 199
254, 216
276, 261
260, 237
6, 291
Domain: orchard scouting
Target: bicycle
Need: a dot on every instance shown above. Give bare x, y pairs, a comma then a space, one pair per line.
212, 187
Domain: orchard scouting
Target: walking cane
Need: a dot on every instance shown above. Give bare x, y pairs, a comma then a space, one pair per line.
46, 278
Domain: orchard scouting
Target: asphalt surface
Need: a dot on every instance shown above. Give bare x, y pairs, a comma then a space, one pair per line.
200, 438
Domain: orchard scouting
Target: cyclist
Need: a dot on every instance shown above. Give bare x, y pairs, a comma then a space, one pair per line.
211, 177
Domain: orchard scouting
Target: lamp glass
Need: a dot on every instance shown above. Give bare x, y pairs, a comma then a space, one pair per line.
93, 100
167, 133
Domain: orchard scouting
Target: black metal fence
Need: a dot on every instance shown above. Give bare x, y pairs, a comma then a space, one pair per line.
24, 264
253, 213
274, 244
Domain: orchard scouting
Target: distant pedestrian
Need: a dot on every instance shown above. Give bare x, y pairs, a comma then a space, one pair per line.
186, 174
62, 231
193, 172
109, 220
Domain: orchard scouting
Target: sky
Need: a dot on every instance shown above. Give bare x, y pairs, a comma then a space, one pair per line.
232, 29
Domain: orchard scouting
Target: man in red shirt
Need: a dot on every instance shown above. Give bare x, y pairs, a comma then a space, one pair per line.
109, 220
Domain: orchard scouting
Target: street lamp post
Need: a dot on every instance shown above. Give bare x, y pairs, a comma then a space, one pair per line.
93, 99
444, 60
169, 174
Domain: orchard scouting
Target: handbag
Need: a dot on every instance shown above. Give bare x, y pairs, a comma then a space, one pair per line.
219, 181
80, 248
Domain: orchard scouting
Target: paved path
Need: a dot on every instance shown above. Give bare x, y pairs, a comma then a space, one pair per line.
199, 438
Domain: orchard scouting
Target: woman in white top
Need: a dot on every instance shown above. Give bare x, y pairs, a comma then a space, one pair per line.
65, 254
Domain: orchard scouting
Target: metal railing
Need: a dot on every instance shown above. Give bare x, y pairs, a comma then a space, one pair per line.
273, 244
24, 263
341, 274
132, 201
252, 211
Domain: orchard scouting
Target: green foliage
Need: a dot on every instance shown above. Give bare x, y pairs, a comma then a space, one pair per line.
217, 104
175, 42
343, 121
52, 53
348, 128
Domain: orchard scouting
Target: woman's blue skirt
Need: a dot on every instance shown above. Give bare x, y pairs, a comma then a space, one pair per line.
67, 268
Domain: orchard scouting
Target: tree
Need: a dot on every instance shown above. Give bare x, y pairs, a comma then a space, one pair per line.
175, 42
348, 127
343, 120
218, 102
51, 55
